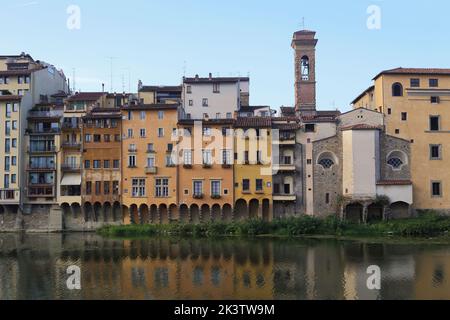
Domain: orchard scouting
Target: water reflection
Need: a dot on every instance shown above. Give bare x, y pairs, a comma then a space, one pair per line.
34, 267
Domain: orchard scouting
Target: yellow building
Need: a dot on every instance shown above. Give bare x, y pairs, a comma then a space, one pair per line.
253, 168
416, 104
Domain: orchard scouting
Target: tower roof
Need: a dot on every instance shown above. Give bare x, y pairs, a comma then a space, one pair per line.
305, 38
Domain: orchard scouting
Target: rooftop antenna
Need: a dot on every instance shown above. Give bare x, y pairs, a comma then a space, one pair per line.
184, 68
123, 82
303, 23
74, 80
112, 74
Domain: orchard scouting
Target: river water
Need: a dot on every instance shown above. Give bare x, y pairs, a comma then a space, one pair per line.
35, 267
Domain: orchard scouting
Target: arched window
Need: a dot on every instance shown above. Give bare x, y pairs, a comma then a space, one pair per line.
397, 90
327, 160
397, 159
305, 68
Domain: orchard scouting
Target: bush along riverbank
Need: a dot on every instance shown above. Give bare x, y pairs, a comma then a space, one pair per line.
426, 225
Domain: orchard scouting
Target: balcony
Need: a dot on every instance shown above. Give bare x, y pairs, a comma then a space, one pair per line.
8, 195
285, 167
151, 170
187, 165
70, 126
198, 196
44, 131
44, 114
71, 145
285, 197
51, 149
70, 167
41, 169
287, 139
132, 150
41, 191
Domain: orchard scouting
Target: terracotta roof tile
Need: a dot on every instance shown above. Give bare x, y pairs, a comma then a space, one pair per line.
430, 71
361, 127
254, 122
87, 96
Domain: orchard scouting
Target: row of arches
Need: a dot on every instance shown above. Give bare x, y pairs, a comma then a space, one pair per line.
97, 212
361, 212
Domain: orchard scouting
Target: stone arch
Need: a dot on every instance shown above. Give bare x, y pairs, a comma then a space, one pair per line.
266, 210
397, 159
327, 160
164, 214
174, 213
374, 213
397, 89
66, 209
253, 209
107, 212
76, 209
400, 210
117, 212
184, 214
126, 216
205, 213
241, 210
216, 213
354, 212
227, 213
88, 211
145, 214
97, 212
195, 214
134, 215
154, 217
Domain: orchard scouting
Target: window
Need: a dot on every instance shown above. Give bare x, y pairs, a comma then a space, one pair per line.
7, 163
7, 145
397, 90
15, 107
207, 132
130, 115
132, 161
205, 102
415, 83
160, 132
97, 164
246, 157
162, 188
87, 164
207, 157
435, 152
142, 133
216, 189
189, 89
6, 180
434, 123
169, 161
107, 138
138, 187
88, 187
13, 178
327, 198
304, 65
170, 147
326, 163
150, 148
389, 111
142, 115
229, 115
150, 162
97, 138
187, 155
434, 83
404, 116
160, 115
115, 187
117, 138
310, 128
436, 189
106, 164
14, 143
98, 188
116, 164
434, 100
14, 161
130, 133
106, 186
198, 188
226, 157
191, 103
218, 115
259, 185
216, 88
8, 110
7, 128
246, 185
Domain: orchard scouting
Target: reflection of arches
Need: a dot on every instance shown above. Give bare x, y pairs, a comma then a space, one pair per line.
76, 210
400, 210
216, 213
253, 209
107, 212
116, 211
134, 215
241, 210
375, 213
327, 160
397, 159
397, 90
87, 211
164, 214
154, 218
227, 213
65, 207
266, 210
174, 213
184, 214
145, 214
126, 215
97, 212
195, 214
206, 213
354, 212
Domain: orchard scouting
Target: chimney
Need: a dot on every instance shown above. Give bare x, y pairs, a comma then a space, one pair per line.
103, 88
210, 76
196, 77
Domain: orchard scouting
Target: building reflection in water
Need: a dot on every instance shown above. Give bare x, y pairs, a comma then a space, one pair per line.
34, 267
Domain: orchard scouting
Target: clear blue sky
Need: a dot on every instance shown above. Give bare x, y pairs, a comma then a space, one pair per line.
151, 40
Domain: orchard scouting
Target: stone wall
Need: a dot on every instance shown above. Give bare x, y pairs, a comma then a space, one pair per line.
389, 144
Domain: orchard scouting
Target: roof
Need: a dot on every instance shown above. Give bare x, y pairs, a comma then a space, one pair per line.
59, 94
252, 108
288, 126
190, 122
215, 80
319, 118
287, 110
161, 89
14, 56
103, 113
424, 71
254, 122
361, 127
154, 106
371, 88
18, 72
10, 98
394, 183
86, 96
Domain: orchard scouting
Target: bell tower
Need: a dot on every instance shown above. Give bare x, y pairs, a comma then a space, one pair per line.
304, 43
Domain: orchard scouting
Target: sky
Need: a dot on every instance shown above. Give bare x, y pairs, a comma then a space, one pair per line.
159, 41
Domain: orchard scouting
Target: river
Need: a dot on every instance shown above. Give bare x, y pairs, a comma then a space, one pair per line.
35, 267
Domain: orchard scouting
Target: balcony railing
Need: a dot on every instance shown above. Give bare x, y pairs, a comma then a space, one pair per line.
69, 125
44, 114
71, 145
44, 131
7, 194
68, 167
41, 192
41, 168
42, 150
151, 170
